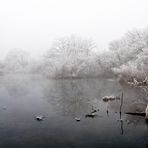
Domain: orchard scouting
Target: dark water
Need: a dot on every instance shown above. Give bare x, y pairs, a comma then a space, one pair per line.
61, 101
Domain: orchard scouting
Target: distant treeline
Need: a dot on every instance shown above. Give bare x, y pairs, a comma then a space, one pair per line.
75, 57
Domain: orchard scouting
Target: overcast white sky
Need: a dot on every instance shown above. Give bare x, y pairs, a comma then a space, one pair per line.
33, 24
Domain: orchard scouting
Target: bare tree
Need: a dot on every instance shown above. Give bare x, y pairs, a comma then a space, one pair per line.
69, 56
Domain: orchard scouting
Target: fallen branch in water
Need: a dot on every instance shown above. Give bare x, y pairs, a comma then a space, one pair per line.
144, 114
138, 114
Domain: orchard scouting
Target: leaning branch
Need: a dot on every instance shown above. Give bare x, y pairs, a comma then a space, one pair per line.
138, 114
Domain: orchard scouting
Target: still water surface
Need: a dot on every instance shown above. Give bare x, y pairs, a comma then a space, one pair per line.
60, 101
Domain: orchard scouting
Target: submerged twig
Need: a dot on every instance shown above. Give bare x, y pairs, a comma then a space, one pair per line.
121, 121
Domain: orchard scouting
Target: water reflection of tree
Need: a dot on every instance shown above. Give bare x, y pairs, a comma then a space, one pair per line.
16, 85
76, 97
72, 97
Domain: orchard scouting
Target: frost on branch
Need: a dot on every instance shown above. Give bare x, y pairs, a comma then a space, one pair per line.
71, 57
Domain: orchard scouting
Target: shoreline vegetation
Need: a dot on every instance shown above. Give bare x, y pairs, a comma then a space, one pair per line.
73, 57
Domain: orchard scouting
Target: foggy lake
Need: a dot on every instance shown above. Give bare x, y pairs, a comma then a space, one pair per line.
23, 97
73, 74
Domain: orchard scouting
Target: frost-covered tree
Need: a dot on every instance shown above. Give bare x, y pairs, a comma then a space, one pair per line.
142, 61
131, 52
70, 57
16, 61
105, 62
129, 46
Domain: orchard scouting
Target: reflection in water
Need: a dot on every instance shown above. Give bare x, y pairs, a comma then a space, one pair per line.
121, 123
61, 101
76, 97
16, 86
121, 120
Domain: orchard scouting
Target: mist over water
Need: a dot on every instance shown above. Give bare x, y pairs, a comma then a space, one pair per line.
60, 101
70, 71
